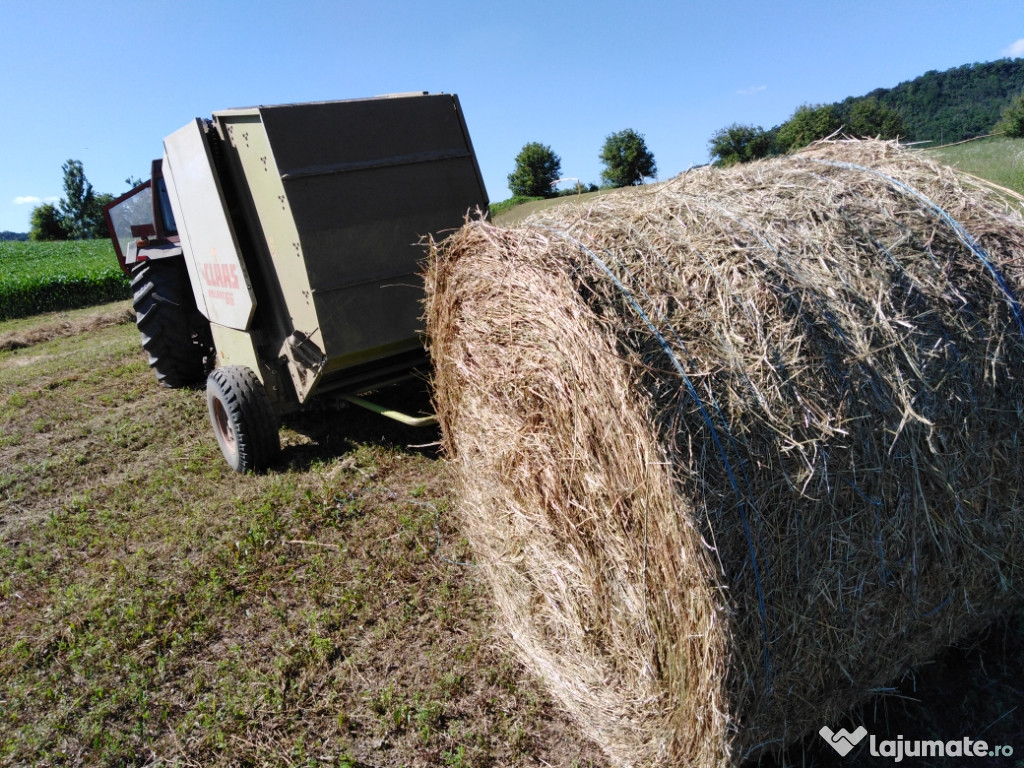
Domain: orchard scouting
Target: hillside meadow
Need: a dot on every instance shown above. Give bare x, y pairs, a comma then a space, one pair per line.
997, 159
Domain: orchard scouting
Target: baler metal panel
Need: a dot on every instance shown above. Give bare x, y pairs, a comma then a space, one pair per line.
364, 181
340, 196
217, 272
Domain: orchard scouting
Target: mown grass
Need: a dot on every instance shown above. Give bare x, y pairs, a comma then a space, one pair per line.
157, 608
515, 209
997, 159
496, 209
40, 277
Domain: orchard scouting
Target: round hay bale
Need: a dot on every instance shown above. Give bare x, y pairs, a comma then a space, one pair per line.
735, 450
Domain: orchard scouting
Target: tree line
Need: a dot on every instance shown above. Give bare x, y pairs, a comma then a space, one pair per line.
625, 155
957, 104
77, 216
940, 107
738, 143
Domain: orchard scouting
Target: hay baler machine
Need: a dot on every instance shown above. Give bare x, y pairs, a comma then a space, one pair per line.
275, 252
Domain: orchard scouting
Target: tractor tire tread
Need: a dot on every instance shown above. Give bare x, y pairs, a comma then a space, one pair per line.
175, 336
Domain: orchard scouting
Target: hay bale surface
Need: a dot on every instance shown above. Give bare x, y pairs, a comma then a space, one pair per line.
737, 449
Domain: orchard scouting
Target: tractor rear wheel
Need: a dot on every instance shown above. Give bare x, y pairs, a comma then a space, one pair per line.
174, 333
243, 418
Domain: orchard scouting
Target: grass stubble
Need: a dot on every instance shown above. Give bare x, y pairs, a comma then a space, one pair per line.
158, 609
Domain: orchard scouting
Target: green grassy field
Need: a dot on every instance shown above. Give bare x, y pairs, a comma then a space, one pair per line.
47, 276
509, 215
997, 159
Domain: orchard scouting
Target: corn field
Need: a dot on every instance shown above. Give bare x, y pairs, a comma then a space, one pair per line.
40, 277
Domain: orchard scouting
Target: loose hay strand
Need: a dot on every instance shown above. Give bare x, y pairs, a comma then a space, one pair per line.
735, 450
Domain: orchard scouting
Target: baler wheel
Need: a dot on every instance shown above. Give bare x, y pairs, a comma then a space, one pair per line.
243, 418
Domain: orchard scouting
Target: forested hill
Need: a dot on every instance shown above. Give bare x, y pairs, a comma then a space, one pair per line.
957, 104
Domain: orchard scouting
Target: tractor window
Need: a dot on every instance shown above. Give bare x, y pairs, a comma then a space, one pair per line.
165, 207
131, 217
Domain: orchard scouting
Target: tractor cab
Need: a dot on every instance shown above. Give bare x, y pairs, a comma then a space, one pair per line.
141, 222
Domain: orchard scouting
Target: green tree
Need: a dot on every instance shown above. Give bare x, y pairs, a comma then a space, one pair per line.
627, 159
809, 123
46, 223
1012, 120
537, 169
99, 224
870, 119
78, 206
740, 144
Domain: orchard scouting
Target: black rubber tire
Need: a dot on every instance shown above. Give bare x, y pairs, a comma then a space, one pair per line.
243, 418
174, 333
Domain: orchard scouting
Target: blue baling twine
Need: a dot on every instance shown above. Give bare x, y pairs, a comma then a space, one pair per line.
628, 295
962, 234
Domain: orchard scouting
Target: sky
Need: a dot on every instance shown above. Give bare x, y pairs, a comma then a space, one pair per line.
104, 82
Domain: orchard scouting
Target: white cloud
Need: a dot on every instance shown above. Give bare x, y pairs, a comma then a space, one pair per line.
33, 200
1015, 50
752, 90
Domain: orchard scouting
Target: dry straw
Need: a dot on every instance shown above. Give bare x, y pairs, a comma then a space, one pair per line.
737, 449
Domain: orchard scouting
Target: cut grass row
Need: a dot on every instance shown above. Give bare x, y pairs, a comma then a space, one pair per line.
40, 277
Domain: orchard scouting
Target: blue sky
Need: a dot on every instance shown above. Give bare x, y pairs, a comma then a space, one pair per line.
103, 82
